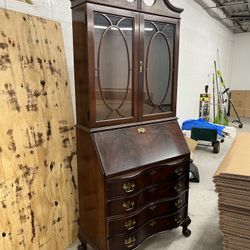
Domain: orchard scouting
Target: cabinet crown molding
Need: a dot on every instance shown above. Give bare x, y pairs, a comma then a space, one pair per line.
172, 7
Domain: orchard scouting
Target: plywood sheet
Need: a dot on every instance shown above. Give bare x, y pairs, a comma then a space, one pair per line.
38, 184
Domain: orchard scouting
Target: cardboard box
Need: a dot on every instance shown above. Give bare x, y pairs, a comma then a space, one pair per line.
238, 98
247, 113
192, 144
247, 104
240, 111
237, 160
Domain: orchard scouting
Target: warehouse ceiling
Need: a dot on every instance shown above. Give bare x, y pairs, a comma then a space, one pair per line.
235, 14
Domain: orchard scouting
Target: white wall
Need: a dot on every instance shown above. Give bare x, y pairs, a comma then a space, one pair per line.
241, 62
201, 35
58, 10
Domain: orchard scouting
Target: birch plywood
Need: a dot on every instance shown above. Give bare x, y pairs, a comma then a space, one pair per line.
38, 188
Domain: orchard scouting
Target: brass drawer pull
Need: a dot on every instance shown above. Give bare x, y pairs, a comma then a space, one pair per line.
178, 203
153, 207
129, 205
141, 130
178, 219
179, 171
152, 224
178, 188
129, 187
130, 242
130, 225
153, 172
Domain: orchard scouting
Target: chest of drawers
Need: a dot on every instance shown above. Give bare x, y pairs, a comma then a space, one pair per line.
133, 183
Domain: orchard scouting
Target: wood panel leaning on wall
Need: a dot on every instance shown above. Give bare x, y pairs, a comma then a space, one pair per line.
38, 182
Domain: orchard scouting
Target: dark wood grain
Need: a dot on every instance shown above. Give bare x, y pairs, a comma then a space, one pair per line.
161, 7
153, 193
139, 180
91, 192
119, 226
80, 61
138, 160
152, 227
125, 149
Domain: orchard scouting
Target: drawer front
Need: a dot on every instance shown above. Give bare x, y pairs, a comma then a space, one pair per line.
152, 194
154, 226
132, 223
127, 186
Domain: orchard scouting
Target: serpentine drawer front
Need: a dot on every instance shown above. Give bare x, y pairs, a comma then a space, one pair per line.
152, 227
133, 183
124, 225
152, 194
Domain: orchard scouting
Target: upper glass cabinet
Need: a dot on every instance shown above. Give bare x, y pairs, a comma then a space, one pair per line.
126, 64
113, 49
159, 45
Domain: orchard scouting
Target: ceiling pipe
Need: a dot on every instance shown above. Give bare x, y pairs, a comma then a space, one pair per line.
218, 14
228, 5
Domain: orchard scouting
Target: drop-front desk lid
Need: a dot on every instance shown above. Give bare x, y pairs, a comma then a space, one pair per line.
128, 148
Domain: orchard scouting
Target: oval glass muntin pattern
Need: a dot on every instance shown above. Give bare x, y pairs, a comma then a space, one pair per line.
119, 29
158, 32
149, 2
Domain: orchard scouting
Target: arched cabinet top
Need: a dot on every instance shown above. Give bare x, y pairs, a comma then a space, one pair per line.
172, 7
158, 7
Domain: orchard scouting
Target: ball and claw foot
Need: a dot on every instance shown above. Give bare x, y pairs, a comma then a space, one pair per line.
185, 231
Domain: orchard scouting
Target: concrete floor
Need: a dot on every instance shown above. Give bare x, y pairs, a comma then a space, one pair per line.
203, 209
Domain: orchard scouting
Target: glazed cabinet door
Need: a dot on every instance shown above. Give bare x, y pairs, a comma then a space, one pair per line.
158, 67
114, 83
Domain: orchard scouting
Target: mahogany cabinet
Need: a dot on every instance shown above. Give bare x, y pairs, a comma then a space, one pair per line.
133, 162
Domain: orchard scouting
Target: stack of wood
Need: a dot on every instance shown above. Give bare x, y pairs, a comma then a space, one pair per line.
232, 181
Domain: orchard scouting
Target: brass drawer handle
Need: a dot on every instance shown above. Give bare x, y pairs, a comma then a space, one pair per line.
178, 203
179, 171
153, 172
141, 130
130, 225
178, 219
130, 242
152, 207
129, 187
178, 188
152, 224
129, 205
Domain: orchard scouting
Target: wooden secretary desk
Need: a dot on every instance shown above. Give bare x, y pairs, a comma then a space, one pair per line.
133, 162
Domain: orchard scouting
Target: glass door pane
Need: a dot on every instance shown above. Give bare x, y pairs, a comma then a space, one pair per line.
113, 37
159, 39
